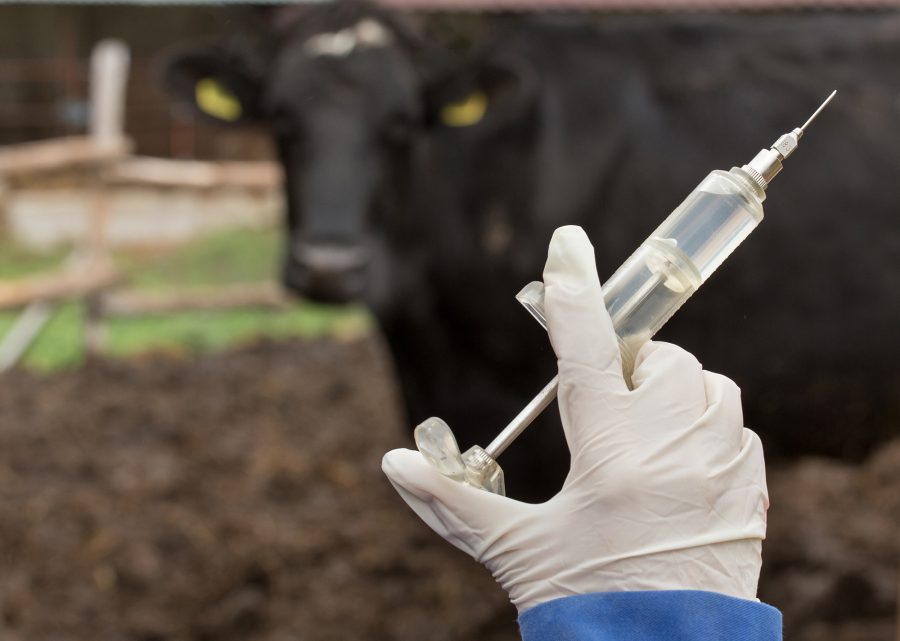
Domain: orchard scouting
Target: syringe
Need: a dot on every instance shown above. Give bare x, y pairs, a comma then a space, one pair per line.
649, 287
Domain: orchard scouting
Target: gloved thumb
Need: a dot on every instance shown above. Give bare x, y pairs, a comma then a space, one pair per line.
465, 516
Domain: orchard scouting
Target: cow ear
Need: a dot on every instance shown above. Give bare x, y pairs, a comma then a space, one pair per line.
215, 84
488, 96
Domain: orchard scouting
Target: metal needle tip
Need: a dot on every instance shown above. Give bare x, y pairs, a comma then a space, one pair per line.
821, 107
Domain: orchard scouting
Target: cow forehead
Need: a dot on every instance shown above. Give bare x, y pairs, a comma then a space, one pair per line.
366, 34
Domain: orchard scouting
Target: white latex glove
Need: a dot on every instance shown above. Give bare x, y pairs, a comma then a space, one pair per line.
666, 489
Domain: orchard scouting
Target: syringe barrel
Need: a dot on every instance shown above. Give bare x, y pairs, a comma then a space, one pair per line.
679, 256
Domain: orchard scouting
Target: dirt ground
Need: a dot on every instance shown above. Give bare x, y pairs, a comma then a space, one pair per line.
239, 496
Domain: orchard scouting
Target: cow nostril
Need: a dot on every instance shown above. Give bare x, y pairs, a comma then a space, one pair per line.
331, 258
327, 274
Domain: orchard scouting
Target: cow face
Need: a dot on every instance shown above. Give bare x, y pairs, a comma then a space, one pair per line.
343, 106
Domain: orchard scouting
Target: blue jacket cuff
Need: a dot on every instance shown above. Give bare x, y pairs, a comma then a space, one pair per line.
673, 615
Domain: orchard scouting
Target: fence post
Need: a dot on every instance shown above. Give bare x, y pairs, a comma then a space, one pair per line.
108, 84
110, 61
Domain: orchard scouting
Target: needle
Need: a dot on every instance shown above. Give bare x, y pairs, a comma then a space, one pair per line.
821, 107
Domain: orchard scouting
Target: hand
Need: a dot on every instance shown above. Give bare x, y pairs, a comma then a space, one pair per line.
666, 489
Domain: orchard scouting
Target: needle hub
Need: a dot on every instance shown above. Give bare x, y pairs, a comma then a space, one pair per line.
768, 162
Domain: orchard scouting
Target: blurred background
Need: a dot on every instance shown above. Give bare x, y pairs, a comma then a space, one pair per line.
243, 249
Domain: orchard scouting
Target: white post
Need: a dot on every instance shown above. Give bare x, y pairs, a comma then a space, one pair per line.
22, 334
108, 83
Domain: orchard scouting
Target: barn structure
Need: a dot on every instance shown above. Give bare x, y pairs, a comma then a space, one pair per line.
44, 51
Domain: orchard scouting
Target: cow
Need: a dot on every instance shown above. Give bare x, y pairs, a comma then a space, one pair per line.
430, 190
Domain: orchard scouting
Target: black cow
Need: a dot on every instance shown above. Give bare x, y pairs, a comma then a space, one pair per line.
618, 121
351, 97
433, 195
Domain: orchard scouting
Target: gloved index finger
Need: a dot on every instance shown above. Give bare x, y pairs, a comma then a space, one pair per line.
580, 328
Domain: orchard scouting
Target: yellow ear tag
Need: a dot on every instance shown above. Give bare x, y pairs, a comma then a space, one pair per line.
216, 101
466, 112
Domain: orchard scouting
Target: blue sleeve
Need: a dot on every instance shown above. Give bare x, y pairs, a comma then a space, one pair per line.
682, 615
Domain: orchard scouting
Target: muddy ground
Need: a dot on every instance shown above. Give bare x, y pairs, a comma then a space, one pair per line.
239, 496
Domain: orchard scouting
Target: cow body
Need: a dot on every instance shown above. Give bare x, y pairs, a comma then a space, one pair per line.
630, 115
609, 124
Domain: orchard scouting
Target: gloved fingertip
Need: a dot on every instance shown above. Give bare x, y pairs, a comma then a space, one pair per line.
401, 465
410, 470
640, 371
389, 461
570, 257
645, 350
569, 234
449, 507
657, 356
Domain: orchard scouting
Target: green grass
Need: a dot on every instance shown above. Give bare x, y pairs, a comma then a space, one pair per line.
235, 256
209, 331
16, 262
60, 343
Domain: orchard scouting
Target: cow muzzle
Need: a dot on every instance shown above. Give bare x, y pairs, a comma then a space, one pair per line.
327, 273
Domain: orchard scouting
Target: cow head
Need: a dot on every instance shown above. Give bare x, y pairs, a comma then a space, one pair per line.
344, 92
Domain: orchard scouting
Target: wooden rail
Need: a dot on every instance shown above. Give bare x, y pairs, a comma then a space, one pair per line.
59, 153
68, 283
195, 173
135, 303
